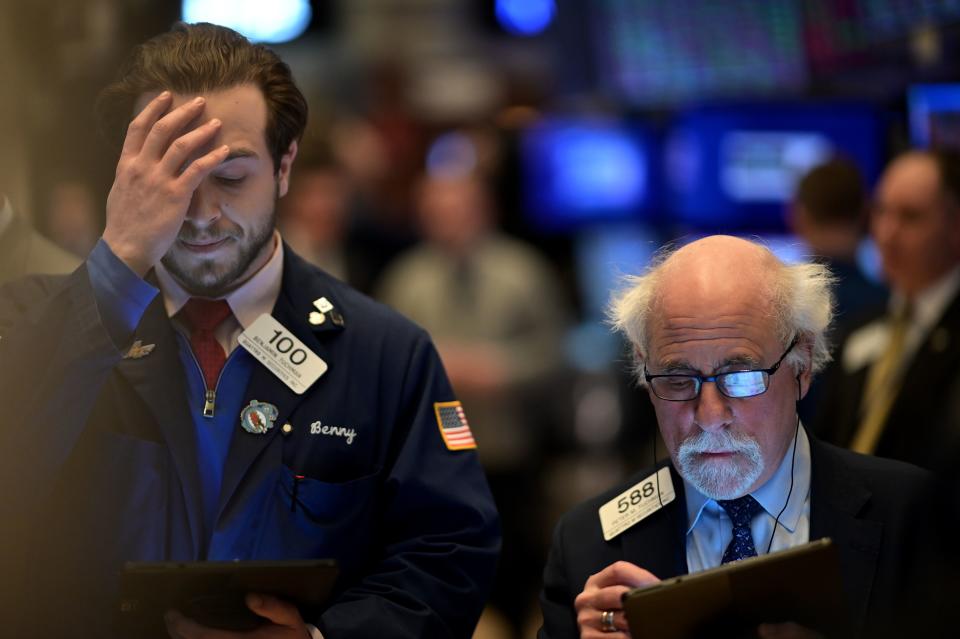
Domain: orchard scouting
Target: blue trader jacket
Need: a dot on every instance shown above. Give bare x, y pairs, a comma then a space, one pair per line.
99, 465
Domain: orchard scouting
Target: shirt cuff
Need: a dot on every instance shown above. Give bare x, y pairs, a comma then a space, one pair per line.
122, 297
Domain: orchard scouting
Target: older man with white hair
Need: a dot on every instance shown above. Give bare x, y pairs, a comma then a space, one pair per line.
726, 339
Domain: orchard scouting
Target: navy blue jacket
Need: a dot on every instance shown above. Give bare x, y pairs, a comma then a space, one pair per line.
866, 505
100, 466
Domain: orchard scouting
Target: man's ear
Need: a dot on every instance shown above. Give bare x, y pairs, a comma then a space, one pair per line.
283, 173
639, 362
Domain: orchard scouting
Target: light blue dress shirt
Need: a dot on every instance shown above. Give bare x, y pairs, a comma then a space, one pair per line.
710, 529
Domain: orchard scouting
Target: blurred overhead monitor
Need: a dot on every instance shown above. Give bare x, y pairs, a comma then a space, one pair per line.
274, 21
581, 171
730, 168
934, 115
655, 52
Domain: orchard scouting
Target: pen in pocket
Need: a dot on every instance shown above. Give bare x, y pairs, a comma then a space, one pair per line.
293, 497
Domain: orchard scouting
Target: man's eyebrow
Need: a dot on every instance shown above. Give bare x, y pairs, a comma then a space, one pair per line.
740, 360
683, 366
240, 153
675, 366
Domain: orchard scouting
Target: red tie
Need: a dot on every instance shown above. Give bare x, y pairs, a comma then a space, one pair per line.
202, 317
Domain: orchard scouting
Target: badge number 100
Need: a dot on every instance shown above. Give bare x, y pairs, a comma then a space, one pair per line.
635, 497
284, 345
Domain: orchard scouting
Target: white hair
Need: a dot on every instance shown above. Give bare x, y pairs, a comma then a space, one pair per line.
801, 299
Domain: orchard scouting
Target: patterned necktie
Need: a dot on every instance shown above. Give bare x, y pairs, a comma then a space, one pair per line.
202, 317
741, 511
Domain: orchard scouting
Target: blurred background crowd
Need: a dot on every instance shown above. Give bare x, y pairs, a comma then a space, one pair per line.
491, 169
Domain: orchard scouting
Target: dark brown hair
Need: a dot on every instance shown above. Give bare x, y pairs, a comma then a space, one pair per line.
833, 193
203, 57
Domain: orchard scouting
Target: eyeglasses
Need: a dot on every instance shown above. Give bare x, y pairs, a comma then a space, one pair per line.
735, 384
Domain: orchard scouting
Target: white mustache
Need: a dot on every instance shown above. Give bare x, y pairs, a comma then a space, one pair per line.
721, 441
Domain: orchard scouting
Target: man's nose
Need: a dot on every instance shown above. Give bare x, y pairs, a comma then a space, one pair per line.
203, 209
712, 411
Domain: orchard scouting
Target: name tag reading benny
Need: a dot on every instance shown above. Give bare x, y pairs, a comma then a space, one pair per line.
282, 353
636, 503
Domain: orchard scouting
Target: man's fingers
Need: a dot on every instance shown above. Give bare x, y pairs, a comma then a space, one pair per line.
591, 625
164, 130
192, 176
622, 573
278, 611
609, 598
140, 126
188, 143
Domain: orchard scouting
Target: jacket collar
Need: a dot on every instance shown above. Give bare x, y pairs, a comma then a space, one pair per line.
301, 286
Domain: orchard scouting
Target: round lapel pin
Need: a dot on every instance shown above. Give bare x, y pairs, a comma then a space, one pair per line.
258, 417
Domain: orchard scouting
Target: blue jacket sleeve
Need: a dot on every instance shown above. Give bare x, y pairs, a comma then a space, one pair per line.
60, 337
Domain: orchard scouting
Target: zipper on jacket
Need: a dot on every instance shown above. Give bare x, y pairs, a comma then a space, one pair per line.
209, 401
210, 396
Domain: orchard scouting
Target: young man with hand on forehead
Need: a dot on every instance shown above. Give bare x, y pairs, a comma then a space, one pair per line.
198, 392
726, 339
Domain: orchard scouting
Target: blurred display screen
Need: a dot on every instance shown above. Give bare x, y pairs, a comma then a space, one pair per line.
654, 53
651, 52
582, 171
730, 168
843, 33
935, 115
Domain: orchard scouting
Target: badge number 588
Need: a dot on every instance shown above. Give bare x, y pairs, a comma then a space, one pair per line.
636, 503
635, 497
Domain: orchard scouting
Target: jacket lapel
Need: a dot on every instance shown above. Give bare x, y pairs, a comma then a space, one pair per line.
158, 379
658, 544
837, 497
292, 311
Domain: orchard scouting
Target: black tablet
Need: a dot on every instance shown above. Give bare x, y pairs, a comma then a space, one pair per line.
801, 584
212, 592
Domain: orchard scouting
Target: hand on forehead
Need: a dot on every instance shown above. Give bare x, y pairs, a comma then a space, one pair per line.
241, 109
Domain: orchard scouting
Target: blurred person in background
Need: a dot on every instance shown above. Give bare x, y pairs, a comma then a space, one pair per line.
829, 213
71, 219
313, 216
493, 306
888, 394
24, 251
378, 227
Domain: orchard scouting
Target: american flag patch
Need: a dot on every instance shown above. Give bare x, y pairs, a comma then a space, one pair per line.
453, 426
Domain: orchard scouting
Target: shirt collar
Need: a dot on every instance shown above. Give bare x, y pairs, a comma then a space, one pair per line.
929, 304
250, 300
770, 495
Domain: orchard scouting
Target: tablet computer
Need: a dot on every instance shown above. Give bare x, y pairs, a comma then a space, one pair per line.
800, 584
212, 593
